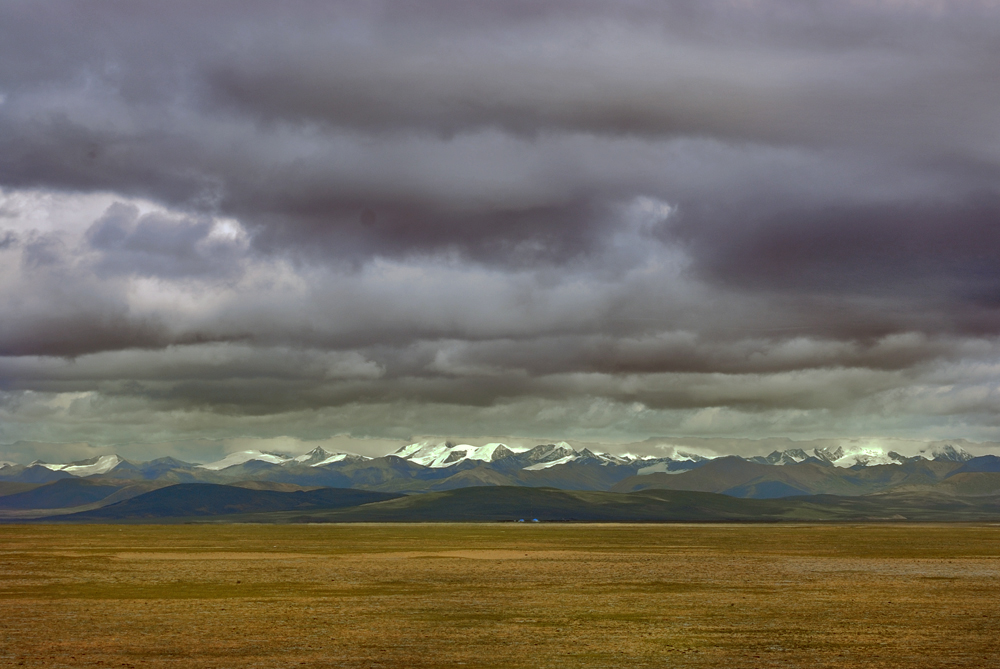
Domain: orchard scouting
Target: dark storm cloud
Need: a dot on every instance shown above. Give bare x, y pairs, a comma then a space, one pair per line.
364, 228
658, 372
940, 252
149, 100
76, 329
561, 212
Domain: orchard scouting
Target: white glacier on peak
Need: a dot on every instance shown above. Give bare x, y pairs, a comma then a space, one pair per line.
662, 467
314, 458
319, 456
446, 454
543, 456
855, 455
99, 465
315, 455
337, 457
867, 457
678, 454
411, 449
241, 457
552, 463
946, 452
491, 452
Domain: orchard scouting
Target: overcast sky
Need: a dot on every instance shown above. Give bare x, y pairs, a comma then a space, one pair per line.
594, 221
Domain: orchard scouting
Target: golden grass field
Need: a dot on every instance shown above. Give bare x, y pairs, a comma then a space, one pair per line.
500, 595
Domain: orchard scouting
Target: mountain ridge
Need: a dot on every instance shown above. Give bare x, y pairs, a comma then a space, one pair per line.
429, 467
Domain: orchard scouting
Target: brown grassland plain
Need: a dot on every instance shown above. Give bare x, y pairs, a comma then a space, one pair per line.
500, 595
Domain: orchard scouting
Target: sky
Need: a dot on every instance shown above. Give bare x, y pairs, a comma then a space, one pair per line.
285, 223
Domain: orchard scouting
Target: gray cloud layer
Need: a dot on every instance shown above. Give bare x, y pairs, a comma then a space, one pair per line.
716, 218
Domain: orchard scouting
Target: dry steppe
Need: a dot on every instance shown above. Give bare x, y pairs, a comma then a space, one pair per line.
500, 595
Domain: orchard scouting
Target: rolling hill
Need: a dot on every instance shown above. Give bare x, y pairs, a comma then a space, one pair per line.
215, 503
194, 500
77, 492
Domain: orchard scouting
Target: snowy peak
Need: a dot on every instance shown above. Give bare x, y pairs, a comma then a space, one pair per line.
319, 456
447, 454
684, 456
316, 455
545, 464
548, 453
101, 464
241, 457
792, 456
827, 455
410, 450
554, 455
675, 454
858, 456
678, 461
586, 455
946, 453
340, 457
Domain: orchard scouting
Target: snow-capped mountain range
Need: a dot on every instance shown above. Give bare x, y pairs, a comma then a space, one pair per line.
434, 455
437, 466
861, 456
445, 455
440, 455
314, 458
